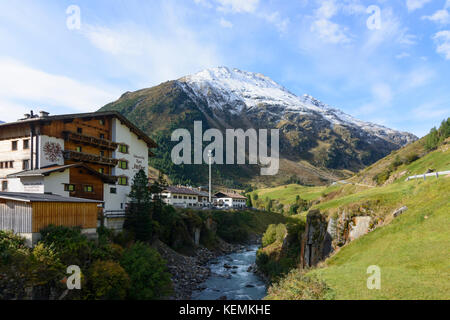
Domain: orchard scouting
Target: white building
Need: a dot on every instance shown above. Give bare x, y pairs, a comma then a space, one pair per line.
90, 155
179, 196
230, 200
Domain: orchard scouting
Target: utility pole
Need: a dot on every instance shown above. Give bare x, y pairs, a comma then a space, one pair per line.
210, 162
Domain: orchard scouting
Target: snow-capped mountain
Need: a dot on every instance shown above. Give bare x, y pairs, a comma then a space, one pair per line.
318, 143
238, 90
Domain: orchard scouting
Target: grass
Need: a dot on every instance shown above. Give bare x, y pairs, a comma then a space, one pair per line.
412, 251
287, 194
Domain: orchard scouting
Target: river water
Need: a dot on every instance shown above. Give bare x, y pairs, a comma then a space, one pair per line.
234, 283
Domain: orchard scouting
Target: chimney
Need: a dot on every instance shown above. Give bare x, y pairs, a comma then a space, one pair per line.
43, 114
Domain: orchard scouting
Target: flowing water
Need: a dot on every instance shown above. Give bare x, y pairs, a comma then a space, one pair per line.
234, 283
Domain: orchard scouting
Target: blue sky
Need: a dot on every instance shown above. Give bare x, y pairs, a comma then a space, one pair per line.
382, 61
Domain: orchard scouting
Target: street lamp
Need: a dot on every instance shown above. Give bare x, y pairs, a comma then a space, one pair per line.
210, 162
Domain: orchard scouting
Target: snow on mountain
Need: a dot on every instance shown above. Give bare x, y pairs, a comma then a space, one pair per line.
238, 90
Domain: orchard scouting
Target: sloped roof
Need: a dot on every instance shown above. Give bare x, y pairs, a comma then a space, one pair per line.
42, 197
181, 190
133, 127
232, 195
51, 169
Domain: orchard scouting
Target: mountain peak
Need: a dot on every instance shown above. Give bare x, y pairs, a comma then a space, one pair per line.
234, 90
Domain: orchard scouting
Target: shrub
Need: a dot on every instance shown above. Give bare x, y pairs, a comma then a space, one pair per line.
107, 280
296, 286
274, 233
412, 157
9, 245
382, 177
148, 273
71, 247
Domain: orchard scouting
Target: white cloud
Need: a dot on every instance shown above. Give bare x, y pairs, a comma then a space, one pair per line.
442, 39
330, 32
23, 87
205, 3
402, 55
225, 23
382, 93
431, 110
392, 31
440, 16
327, 30
275, 18
416, 4
238, 6
154, 57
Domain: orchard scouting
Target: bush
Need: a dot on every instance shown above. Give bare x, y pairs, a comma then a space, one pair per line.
9, 244
274, 233
107, 280
382, 177
147, 271
71, 247
412, 157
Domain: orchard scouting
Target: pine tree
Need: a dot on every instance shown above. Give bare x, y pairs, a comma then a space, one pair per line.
249, 201
138, 219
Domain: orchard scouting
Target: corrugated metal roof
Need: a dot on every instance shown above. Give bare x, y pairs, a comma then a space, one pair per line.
42, 197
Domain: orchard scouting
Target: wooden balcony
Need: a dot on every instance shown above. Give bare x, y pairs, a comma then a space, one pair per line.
90, 158
93, 141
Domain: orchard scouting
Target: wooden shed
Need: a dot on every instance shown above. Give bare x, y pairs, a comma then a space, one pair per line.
27, 213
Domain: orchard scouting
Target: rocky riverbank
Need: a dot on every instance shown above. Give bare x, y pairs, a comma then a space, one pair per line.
189, 272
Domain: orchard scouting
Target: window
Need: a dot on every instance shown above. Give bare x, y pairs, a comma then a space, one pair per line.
79, 149
4, 185
101, 170
11, 164
88, 188
123, 148
102, 136
123, 181
25, 164
123, 164
69, 187
79, 130
113, 190
14, 145
26, 144
175, 197
102, 122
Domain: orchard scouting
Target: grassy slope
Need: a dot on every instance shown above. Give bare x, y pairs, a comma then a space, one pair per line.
287, 194
438, 160
412, 252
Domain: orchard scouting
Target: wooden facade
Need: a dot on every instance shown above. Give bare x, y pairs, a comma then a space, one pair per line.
31, 217
67, 214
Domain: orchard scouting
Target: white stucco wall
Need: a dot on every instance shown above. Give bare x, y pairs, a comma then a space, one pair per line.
54, 183
137, 158
7, 154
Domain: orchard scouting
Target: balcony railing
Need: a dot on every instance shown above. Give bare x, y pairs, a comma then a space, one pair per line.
91, 158
97, 142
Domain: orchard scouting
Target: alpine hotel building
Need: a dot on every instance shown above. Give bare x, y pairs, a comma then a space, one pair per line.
91, 156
